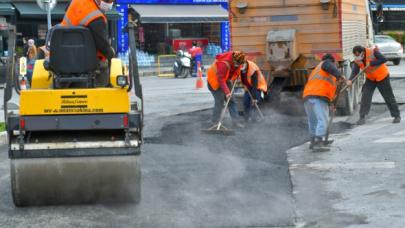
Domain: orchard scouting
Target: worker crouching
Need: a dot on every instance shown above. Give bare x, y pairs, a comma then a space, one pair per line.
319, 92
225, 69
255, 85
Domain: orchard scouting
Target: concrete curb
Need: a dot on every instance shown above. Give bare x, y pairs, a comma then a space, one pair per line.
297, 176
3, 138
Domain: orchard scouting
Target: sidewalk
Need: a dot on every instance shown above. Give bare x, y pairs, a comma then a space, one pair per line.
359, 183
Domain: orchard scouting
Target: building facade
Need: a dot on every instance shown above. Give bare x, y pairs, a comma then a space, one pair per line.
31, 20
168, 25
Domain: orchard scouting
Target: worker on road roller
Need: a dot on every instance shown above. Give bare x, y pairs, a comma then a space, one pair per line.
76, 144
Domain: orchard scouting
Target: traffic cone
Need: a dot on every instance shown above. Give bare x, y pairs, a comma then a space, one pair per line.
23, 84
200, 81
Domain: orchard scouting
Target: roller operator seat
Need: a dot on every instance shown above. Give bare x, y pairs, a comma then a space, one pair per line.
73, 57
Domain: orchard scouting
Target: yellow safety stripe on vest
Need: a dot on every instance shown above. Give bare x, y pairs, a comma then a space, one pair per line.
316, 76
87, 19
373, 69
320, 77
67, 20
371, 58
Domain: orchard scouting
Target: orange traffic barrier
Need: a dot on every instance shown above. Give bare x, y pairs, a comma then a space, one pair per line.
200, 81
23, 84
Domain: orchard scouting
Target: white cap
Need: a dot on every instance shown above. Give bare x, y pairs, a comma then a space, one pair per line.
31, 42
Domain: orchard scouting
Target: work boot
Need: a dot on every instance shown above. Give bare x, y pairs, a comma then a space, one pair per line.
361, 121
396, 120
328, 142
319, 145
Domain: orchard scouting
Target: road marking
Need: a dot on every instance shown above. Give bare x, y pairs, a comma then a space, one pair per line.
400, 133
390, 140
5, 177
384, 119
366, 129
349, 165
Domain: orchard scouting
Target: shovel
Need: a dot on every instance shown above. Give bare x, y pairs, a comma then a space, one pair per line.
334, 103
255, 103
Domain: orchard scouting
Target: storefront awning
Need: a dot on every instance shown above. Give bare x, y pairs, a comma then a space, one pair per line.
32, 10
181, 13
6, 9
390, 7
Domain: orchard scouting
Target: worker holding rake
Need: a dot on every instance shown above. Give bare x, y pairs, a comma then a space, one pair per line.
224, 70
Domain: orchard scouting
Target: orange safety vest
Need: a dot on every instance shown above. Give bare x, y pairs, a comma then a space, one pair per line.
252, 68
82, 13
320, 83
212, 77
373, 73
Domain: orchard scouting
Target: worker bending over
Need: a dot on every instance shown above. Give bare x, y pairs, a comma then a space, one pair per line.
255, 84
90, 14
377, 75
319, 92
225, 68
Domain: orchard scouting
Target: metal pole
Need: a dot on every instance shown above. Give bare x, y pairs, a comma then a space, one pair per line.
49, 15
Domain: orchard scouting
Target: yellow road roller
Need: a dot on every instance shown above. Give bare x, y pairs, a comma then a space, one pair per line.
69, 141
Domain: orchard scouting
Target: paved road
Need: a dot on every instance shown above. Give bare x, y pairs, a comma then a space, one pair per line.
398, 84
192, 180
187, 180
359, 183
397, 71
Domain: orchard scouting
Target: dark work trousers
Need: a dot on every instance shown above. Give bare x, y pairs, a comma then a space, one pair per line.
385, 89
220, 99
247, 103
103, 78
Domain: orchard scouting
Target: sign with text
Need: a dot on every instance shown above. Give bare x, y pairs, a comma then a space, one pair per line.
187, 43
122, 8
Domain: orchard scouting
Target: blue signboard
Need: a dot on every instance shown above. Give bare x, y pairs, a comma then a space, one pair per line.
171, 1
225, 38
122, 8
122, 37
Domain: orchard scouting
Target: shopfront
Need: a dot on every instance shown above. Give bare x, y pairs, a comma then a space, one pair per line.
169, 25
31, 21
393, 14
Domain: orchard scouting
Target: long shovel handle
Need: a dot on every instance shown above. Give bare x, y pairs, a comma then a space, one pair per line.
332, 111
333, 107
354, 79
256, 106
226, 106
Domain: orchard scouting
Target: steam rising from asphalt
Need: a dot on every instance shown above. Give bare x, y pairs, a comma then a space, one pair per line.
238, 180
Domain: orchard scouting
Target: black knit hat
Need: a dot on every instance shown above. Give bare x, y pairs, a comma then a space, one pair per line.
328, 56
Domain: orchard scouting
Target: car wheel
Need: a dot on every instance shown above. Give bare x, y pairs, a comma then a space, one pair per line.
396, 62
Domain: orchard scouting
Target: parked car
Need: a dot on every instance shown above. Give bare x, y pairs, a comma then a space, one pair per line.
390, 48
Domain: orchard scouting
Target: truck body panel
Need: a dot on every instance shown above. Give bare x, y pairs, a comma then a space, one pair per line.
318, 31
287, 38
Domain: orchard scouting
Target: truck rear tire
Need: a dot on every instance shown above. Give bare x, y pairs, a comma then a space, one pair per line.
396, 62
275, 89
348, 101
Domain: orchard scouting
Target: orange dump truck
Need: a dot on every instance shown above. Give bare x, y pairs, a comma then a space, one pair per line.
287, 38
